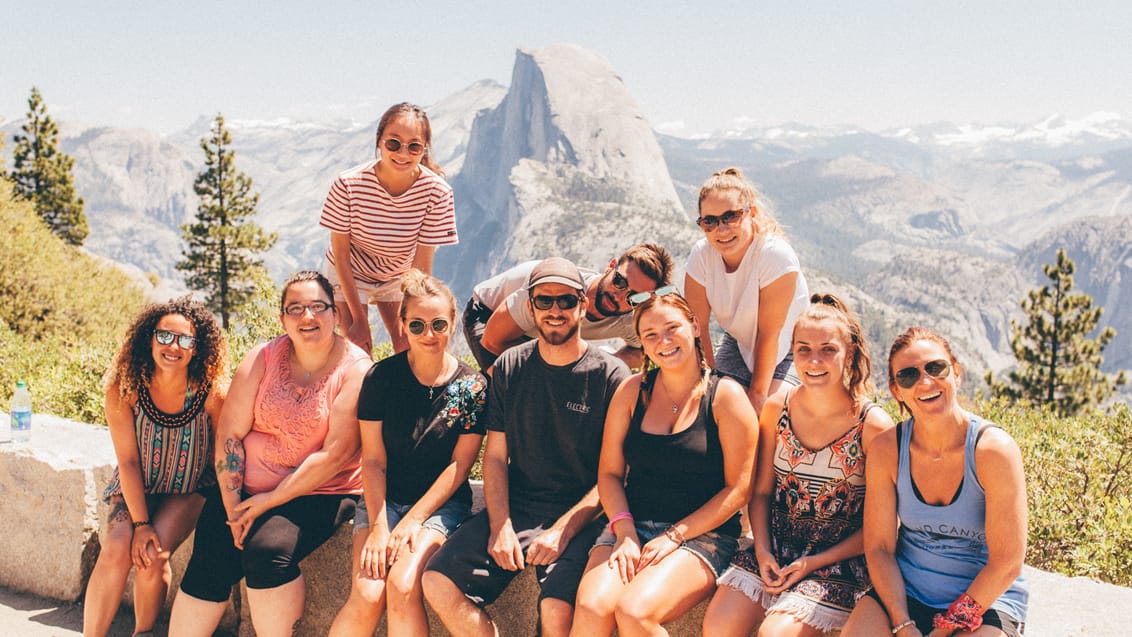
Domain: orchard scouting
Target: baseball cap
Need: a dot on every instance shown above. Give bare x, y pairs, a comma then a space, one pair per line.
556, 270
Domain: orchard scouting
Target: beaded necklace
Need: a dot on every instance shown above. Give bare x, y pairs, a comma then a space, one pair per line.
195, 400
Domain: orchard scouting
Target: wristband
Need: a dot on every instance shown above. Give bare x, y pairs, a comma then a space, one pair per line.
141, 523
963, 614
899, 627
674, 534
617, 517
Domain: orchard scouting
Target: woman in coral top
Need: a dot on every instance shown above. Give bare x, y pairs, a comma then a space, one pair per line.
287, 461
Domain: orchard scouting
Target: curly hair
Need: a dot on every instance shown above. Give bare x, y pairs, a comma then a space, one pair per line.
133, 366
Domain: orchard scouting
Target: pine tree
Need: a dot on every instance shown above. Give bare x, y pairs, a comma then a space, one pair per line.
223, 242
1059, 366
42, 174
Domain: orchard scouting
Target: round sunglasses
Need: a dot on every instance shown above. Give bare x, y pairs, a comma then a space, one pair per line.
165, 337
438, 325
413, 148
909, 376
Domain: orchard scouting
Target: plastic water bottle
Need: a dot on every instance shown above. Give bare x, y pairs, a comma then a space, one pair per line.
21, 413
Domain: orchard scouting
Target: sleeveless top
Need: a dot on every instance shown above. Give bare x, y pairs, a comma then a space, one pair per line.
940, 549
174, 450
290, 422
672, 475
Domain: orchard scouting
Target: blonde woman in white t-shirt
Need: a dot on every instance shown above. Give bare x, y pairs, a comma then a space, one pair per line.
745, 272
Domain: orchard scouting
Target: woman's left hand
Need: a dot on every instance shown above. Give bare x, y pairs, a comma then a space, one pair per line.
140, 550
403, 536
656, 550
790, 575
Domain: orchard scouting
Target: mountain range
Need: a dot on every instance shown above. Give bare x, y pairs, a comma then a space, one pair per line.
945, 225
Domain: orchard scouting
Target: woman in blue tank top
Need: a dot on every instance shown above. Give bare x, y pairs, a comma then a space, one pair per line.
945, 510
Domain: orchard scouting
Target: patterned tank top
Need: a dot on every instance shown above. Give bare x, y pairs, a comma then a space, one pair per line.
174, 450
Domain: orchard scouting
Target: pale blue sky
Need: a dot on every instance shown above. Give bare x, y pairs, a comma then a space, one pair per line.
160, 65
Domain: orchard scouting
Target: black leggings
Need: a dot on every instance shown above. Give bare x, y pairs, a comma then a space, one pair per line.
277, 541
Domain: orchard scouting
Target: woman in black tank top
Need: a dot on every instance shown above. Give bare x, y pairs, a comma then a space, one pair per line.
676, 464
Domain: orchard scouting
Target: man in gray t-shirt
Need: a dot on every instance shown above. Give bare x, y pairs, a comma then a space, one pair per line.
545, 417
497, 316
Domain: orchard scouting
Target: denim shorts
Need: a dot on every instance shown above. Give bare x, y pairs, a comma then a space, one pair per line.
445, 519
729, 362
713, 549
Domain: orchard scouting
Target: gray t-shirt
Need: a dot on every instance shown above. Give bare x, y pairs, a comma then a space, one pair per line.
553, 418
509, 289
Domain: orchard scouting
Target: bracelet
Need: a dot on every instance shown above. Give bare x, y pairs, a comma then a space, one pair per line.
963, 614
674, 534
617, 517
899, 627
141, 523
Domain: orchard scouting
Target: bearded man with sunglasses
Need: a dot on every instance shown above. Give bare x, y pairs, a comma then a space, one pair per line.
545, 419
496, 317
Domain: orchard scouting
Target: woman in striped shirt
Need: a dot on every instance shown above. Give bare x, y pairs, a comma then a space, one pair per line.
386, 216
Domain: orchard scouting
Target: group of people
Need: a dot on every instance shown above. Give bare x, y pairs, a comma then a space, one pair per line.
622, 489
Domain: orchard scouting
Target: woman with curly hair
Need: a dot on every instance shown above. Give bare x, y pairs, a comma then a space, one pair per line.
163, 396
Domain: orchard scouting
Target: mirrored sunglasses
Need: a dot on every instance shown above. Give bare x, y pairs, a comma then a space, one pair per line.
165, 337
641, 297
909, 376
417, 326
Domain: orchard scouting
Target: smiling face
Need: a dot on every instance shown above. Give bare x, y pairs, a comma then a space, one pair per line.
407, 129
668, 336
173, 356
427, 309
308, 327
821, 350
555, 325
929, 396
730, 240
614, 301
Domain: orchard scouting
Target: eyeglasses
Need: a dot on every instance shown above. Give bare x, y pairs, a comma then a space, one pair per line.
711, 222
413, 148
564, 301
641, 297
909, 376
417, 326
298, 309
165, 337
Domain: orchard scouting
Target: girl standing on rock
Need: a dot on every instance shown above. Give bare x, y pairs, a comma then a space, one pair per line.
386, 216
163, 396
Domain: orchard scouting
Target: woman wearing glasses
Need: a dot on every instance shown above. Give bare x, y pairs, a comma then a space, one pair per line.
287, 466
421, 430
950, 562
386, 216
805, 571
745, 272
163, 394
676, 462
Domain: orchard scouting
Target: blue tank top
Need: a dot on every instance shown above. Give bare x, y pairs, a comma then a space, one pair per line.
942, 548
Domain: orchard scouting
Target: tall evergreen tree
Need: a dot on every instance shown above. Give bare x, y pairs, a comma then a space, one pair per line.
42, 174
223, 244
1059, 366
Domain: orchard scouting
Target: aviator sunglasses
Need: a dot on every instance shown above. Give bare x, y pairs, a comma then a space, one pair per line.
413, 148
417, 326
165, 337
909, 376
711, 222
641, 297
564, 301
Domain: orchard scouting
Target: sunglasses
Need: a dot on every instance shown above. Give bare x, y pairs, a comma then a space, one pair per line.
394, 145
165, 337
417, 326
641, 297
564, 301
619, 281
298, 309
711, 222
909, 376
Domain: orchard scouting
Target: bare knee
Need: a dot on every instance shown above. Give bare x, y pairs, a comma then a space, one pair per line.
632, 610
438, 590
595, 601
555, 617
370, 591
115, 551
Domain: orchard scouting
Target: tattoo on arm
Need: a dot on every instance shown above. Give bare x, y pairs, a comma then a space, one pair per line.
119, 513
233, 464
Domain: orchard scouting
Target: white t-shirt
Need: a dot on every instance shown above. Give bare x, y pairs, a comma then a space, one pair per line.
734, 296
510, 288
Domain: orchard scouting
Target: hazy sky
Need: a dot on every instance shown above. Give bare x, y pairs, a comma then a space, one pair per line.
693, 66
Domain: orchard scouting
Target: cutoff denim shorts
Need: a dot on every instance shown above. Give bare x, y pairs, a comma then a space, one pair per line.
713, 549
446, 519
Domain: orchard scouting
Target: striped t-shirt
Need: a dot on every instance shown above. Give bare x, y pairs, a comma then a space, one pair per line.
385, 230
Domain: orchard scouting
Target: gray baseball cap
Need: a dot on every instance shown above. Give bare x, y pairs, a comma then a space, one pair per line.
556, 270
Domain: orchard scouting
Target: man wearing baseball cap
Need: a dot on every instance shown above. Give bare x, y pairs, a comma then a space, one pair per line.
545, 417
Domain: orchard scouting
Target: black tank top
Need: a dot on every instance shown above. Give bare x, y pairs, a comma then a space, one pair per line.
670, 476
